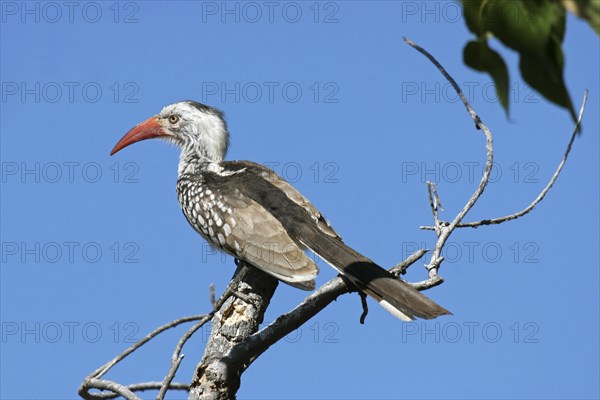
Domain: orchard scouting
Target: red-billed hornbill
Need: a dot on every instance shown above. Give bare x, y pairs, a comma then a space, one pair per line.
251, 213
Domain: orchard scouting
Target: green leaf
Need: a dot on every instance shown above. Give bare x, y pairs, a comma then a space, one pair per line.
533, 28
479, 56
544, 72
524, 25
473, 18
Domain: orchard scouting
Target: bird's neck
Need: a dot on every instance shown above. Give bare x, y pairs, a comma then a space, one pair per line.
208, 148
194, 162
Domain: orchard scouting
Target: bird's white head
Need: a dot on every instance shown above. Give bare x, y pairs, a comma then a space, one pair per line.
199, 130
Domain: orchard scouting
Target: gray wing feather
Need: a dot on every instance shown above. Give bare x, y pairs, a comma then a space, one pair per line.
258, 237
293, 194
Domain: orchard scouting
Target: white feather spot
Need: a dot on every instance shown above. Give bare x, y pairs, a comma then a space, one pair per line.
394, 311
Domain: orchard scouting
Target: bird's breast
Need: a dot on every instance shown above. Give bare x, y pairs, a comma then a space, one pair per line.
207, 210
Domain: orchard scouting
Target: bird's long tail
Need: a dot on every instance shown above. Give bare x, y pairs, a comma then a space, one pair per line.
396, 296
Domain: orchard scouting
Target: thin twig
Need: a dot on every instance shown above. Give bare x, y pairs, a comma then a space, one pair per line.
451, 80
101, 384
400, 269
445, 231
543, 193
93, 378
178, 357
430, 282
434, 203
211, 294
140, 387
103, 369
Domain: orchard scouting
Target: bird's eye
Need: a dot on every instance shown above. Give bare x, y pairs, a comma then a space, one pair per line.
174, 119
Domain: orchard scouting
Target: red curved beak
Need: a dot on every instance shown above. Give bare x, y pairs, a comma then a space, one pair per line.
148, 129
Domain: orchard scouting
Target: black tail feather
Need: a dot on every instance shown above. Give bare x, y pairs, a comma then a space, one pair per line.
396, 296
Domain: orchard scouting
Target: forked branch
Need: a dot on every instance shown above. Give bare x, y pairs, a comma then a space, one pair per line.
444, 230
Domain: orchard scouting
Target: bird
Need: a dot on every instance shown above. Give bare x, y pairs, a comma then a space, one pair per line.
251, 213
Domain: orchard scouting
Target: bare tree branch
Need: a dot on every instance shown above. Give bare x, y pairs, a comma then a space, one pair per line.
101, 384
436, 205
237, 317
444, 231
93, 381
400, 269
543, 193
321, 298
177, 356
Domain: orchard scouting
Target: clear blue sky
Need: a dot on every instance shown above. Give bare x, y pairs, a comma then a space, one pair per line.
96, 252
